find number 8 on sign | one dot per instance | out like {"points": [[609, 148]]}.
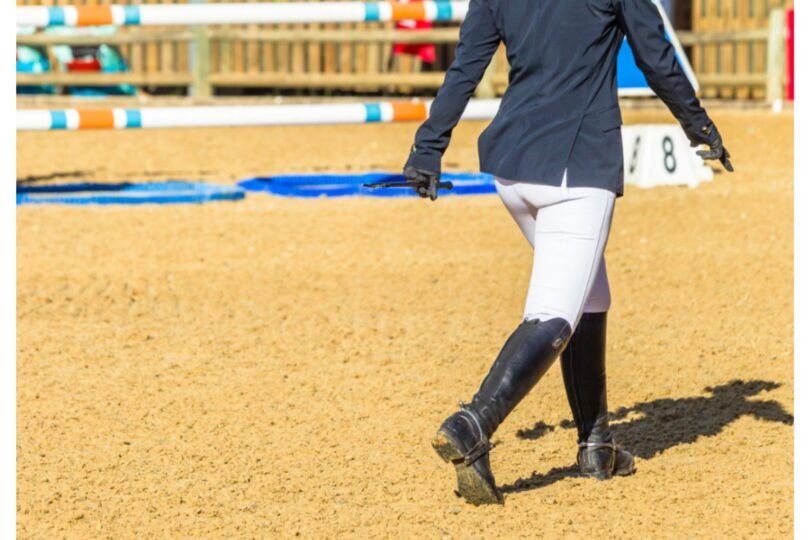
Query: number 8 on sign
{"points": [[670, 163], [660, 154]]}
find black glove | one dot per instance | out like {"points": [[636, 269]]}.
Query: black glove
{"points": [[427, 182], [709, 135]]}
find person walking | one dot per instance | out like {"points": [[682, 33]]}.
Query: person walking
{"points": [[555, 149]]}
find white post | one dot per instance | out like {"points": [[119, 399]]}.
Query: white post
{"points": [[776, 56], [199, 60]]}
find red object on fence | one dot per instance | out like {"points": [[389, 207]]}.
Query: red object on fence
{"points": [[425, 51], [84, 64], [789, 86]]}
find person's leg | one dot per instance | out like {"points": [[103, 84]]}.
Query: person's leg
{"points": [[570, 239], [585, 380], [463, 438]]}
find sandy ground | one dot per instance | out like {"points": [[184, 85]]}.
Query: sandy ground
{"points": [[277, 367]]}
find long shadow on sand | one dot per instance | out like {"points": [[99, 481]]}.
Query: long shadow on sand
{"points": [[652, 427]]}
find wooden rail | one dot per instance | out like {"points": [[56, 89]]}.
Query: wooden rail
{"points": [[771, 38], [448, 35], [435, 36], [119, 38], [105, 79], [703, 38]]}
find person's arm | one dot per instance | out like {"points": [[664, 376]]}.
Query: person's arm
{"points": [[655, 56], [478, 41]]}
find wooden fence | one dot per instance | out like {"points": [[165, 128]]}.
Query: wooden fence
{"points": [[743, 62], [357, 61], [340, 56], [730, 49]]}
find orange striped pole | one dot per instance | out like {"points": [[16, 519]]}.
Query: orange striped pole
{"points": [[407, 12], [93, 15], [409, 112], [96, 119]]}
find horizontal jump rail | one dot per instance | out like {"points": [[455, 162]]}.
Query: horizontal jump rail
{"points": [[242, 13], [247, 115]]}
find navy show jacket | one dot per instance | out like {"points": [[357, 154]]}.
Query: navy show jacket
{"points": [[561, 109]]}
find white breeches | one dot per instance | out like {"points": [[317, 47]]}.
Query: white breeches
{"points": [[568, 228]]}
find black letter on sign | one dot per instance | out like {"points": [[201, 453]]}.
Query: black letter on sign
{"points": [[634, 159]]}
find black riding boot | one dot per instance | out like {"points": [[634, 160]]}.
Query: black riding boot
{"points": [[583, 367], [464, 437]]}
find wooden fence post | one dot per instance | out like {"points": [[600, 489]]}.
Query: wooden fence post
{"points": [[776, 56], [200, 60], [201, 67]]}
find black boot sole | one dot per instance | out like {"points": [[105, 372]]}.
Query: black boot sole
{"points": [[607, 475], [599, 475], [471, 485]]}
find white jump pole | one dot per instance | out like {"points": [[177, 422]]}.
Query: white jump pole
{"points": [[248, 115], [259, 13]]}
